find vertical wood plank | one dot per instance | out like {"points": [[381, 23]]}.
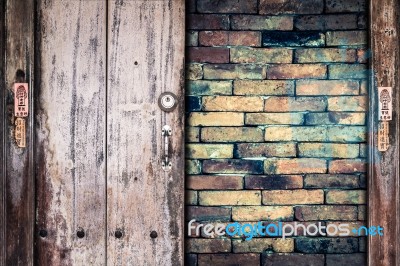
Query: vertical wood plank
{"points": [[70, 133], [146, 53], [18, 179], [384, 187]]}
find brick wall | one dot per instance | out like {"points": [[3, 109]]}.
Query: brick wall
{"points": [[276, 126]]}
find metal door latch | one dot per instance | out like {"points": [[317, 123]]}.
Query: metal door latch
{"points": [[166, 163]]}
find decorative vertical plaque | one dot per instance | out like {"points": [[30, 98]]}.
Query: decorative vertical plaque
{"points": [[20, 132], [383, 136], [21, 99], [385, 103]]}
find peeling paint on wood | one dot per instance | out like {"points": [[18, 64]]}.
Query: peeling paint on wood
{"points": [[384, 186]]}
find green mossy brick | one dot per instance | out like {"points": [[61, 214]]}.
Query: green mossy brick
{"points": [[335, 118], [348, 71], [346, 197], [194, 71], [347, 133], [263, 87], [192, 167], [328, 150], [325, 55], [261, 55], [276, 7], [208, 87]]}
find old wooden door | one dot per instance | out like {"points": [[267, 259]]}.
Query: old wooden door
{"points": [[102, 194]]}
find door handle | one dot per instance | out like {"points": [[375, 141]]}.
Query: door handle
{"points": [[166, 163]]}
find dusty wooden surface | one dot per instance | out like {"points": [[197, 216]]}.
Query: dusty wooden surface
{"points": [[141, 197], [3, 142], [17, 196], [70, 133], [384, 187]]}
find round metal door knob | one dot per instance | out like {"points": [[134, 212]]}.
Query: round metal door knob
{"points": [[167, 101]]}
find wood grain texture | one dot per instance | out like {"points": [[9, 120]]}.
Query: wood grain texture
{"points": [[141, 197], [18, 175], [384, 187], [3, 140], [70, 133]]}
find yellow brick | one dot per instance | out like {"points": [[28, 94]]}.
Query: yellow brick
{"points": [[217, 198], [259, 213], [288, 197], [209, 151], [233, 103], [216, 119]]}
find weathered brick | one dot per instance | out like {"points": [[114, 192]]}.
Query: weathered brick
{"points": [[234, 71], [292, 259], [335, 118], [328, 150], [363, 180], [294, 166], [336, 6], [192, 167], [233, 103], [217, 198], [364, 87], [263, 87], [192, 38], [190, 6], [326, 22], [208, 87], [362, 213], [291, 197], [339, 38], [362, 246], [325, 55], [243, 150], [190, 197], [208, 213], [232, 134], [331, 181], [362, 21], [229, 259], [207, 22], [205, 151], [327, 87], [295, 133], [214, 182], [363, 55], [295, 104], [216, 119], [348, 103], [192, 134], [347, 166], [274, 119], [191, 259], [274, 7], [213, 38], [347, 133], [227, 6], [354, 259], [260, 55], [318, 212], [258, 213], [293, 38], [346, 197], [192, 103], [251, 22], [232, 166], [260, 245], [194, 71], [274, 182], [297, 71], [348, 71], [201, 245], [208, 54], [327, 245], [244, 38], [363, 150]]}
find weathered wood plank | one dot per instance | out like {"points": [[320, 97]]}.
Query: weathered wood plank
{"points": [[384, 186], [146, 52], [70, 133], [18, 175]]}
